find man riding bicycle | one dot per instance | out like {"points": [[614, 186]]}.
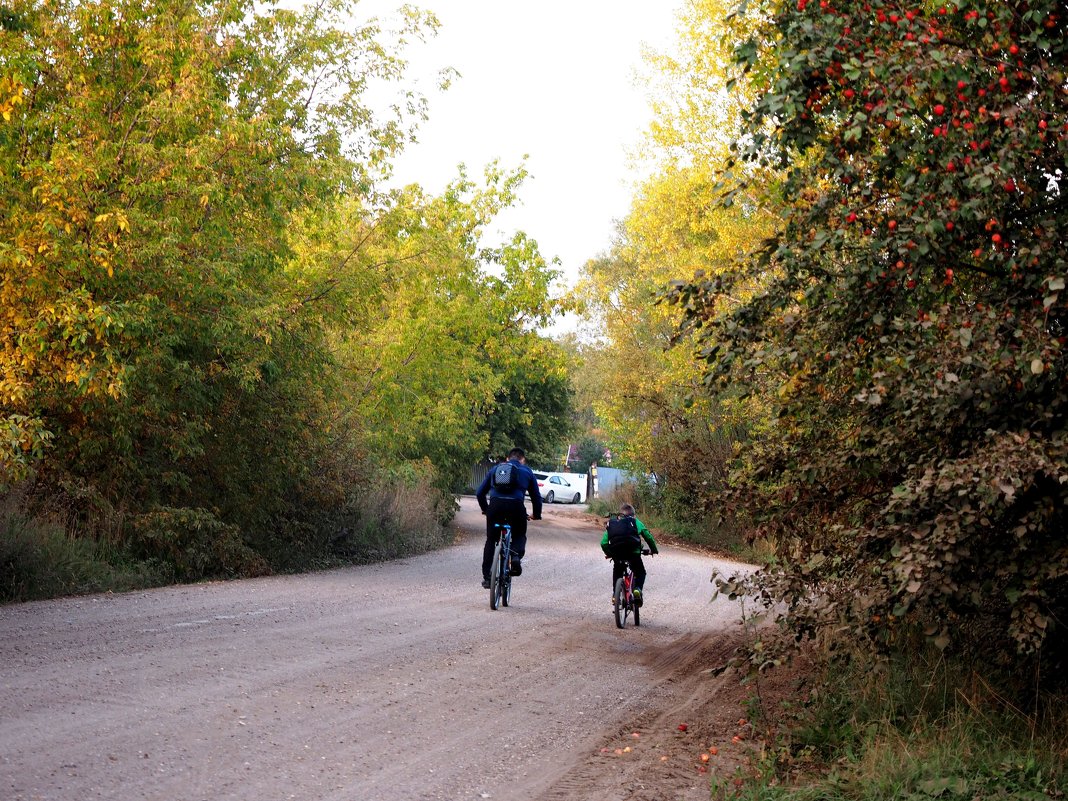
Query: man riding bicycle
{"points": [[506, 484], [622, 543]]}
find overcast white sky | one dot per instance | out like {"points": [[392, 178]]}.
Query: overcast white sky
{"points": [[552, 79]]}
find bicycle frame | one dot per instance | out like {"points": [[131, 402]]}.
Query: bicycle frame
{"points": [[623, 597], [623, 605], [501, 578]]}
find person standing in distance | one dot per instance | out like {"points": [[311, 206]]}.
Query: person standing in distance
{"points": [[506, 484]]}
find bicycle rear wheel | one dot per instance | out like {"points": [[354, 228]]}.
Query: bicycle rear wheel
{"points": [[619, 604], [496, 586], [636, 609]]}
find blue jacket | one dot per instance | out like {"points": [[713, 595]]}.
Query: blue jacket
{"points": [[525, 483]]}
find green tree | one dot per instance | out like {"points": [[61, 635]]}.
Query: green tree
{"points": [[914, 318], [221, 342], [436, 334], [590, 450], [653, 411], [152, 161], [649, 397]]}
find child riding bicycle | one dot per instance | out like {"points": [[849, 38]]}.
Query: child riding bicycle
{"points": [[622, 543]]}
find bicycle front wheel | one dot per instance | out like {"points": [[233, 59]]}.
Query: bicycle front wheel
{"points": [[496, 585], [619, 604]]}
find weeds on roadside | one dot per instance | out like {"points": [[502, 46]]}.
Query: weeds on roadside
{"points": [[919, 728], [38, 559], [56, 549], [396, 517], [713, 534]]}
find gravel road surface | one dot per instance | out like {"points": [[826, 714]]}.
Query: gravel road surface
{"points": [[381, 683]]}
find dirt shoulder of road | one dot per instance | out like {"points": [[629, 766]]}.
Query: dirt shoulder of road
{"points": [[695, 736], [692, 732]]}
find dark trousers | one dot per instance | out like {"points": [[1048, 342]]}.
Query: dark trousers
{"points": [[637, 567], [513, 512]]}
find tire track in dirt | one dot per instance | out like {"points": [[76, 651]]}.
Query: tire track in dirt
{"points": [[390, 682], [662, 763]]}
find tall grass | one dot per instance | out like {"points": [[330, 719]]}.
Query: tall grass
{"points": [[713, 532], [39, 559], [919, 728], [57, 549], [398, 515]]}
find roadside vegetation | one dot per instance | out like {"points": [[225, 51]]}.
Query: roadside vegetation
{"points": [[921, 726], [713, 536], [833, 325], [226, 348]]}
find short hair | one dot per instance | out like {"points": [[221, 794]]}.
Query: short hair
{"points": [[516, 453], [626, 509]]}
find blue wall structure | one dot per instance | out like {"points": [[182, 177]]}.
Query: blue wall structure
{"points": [[608, 478], [478, 472]]}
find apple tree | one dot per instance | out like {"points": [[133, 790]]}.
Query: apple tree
{"points": [[914, 314]]}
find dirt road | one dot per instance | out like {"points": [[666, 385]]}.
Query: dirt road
{"points": [[381, 683]]}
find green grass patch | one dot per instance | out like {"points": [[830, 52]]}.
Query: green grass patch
{"points": [[918, 729]]}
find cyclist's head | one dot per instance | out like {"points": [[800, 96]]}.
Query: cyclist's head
{"points": [[626, 510], [518, 454]]}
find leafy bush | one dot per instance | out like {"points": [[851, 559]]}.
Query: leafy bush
{"points": [[193, 544], [911, 313]]}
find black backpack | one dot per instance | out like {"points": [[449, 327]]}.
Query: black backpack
{"points": [[505, 477], [623, 534]]}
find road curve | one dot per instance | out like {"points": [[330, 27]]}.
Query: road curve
{"points": [[388, 682]]}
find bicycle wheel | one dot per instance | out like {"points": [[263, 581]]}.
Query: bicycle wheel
{"points": [[496, 588], [636, 609], [506, 569], [619, 604]]}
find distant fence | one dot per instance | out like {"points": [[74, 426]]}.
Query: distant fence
{"points": [[608, 478], [478, 472]]}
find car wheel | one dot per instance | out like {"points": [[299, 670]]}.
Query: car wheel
{"points": [[577, 498], [549, 497]]}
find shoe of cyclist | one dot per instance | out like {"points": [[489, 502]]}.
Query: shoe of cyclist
{"points": [[485, 584], [637, 597], [515, 569]]}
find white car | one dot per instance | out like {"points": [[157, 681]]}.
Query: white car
{"points": [[556, 487]]}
